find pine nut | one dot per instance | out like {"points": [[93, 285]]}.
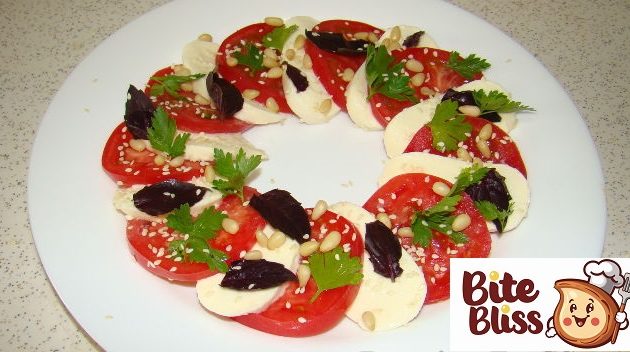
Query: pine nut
{"points": [[384, 218], [477, 161], [274, 21], [387, 43], [307, 63], [177, 161], [250, 94], [290, 54], [427, 91], [205, 37], [470, 110], [180, 70], [395, 34], [253, 255], [276, 240], [299, 41], [361, 35], [460, 222], [418, 79], [201, 100], [186, 86], [261, 238], [231, 61], [441, 188], [348, 74], [405, 232], [486, 132], [209, 174], [269, 62], [137, 145], [272, 105], [325, 106], [414, 65], [159, 160], [369, 320], [271, 53], [483, 148], [274, 72], [303, 274], [372, 37], [462, 154], [230, 226], [320, 208], [308, 248], [331, 241]]}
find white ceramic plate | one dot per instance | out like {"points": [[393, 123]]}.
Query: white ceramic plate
{"points": [[81, 241]]}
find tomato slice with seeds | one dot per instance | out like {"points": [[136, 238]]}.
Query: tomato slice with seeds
{"points": [[242, 76], [148, 241], [503, 150], [405, 194], [293, 314], [128, 166], [191, 116], [329, 67], [438, 78]]}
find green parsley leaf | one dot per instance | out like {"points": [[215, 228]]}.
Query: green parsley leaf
{"points": [[171, 84], [468, 66], [496, 101], [490, 211], [389, 81], [277, 37], [234, 171], [194, 247], [467, 177], [330, 272], [252, 57], [163, 134], [448, 127], [437, 218]]}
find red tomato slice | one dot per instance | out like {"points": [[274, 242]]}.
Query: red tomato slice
{"points": [[149, 241], [405, 194], [329, 67], [241, 76], [438, 78], [128, 166], [293, 314], [191, 116], [503, 150]]}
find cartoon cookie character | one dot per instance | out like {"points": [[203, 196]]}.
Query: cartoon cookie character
{"points": [[587, 316]]}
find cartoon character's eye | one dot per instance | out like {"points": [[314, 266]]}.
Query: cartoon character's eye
{"points": [[589, 308], [572, 308]]}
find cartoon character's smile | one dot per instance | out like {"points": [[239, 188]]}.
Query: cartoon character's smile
{"points": [[580, 321]]}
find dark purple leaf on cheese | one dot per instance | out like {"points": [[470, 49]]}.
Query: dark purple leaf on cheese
{"points": [[299, 80], [283, 212], [225, 95], [413, 40], [492, 188], [491, 116], [166, 196], [138, 113], [384, 249], [466, 98], [336, 43], [256, 274]]}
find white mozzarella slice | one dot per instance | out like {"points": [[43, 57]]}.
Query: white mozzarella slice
{"points": [[357, 102], [199, 56], [393, 304], [449, 168], [508, 119], [401, 129], [123, 201], [200, 146], [255, 113], [230, 302], [305, 104]]}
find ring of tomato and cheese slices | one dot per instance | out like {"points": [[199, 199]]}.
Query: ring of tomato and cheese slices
{"points": [[263, 259]]}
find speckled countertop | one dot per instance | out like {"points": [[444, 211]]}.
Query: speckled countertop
{"points": [[585, 45]]}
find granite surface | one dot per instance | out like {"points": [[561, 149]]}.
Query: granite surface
{"points": [[585, 45]]}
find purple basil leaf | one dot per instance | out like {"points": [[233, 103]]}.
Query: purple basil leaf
{"points": [[256, 274], [299, 80], [413, 40], [491, 188], [163, 197], [336, 43], [226, 96], [384, 249], [283, 212], [138, 112]]}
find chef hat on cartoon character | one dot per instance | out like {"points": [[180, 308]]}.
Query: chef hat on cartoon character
{"points": [[605, 274]]}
